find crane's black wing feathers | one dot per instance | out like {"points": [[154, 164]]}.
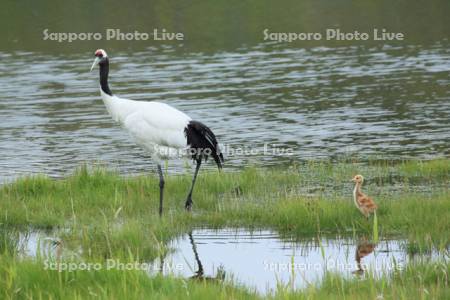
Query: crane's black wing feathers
{"points": [[202, 142]]}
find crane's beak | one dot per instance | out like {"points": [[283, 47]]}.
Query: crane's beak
{"points": [[96, 61]]}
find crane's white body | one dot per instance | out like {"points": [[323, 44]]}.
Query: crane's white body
{"points": [[159, 128], [155, 126]]}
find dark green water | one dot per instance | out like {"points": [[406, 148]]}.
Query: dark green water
{"points": [[214, 26], [321, 99]]}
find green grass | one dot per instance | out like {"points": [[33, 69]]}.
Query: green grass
{"points": [[417, 281], [109, 216], [26, 279], [297, 201]]}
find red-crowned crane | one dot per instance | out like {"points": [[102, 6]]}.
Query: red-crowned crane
{"points": [[160, 129]]}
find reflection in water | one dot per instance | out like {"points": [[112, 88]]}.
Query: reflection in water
{"points": [[320, 102], [363, 249], [38, 243], [257, 259], [263, 260], [200, 273]]}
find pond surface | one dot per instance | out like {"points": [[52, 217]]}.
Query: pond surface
{"points": [[259, 259], [314, 99], [389, 102], [262, 260]]}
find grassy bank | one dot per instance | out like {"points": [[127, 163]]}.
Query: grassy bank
{"points": [[109, 216]]}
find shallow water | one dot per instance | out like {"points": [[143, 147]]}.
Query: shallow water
{"points": [[45, 244], [259, 259], [320, 99], [262, 260]]}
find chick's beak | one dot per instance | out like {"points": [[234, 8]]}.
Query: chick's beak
{"points": [[96, 61]]}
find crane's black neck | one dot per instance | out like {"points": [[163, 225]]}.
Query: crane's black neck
{"points": [[104, 70]]}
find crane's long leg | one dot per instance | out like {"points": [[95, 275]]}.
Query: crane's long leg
{"points": [[161, 189], [188, 204]]}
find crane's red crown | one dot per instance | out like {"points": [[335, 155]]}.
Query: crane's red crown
{"points": [[100, 53]]}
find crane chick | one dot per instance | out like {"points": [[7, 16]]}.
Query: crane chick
{"points": [[364, 203]]}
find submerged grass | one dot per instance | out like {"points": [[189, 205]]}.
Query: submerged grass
{"points": [[109, 216]]}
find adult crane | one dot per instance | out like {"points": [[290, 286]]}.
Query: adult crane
{"points": [[160, 129]]}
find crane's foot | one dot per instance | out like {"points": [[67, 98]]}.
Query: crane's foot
{"points": [[188, 204]]}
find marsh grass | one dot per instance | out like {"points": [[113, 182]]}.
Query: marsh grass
{"points": [[418, 281], [375, 228], [110, 216], [315, 197], [26, 279]]}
